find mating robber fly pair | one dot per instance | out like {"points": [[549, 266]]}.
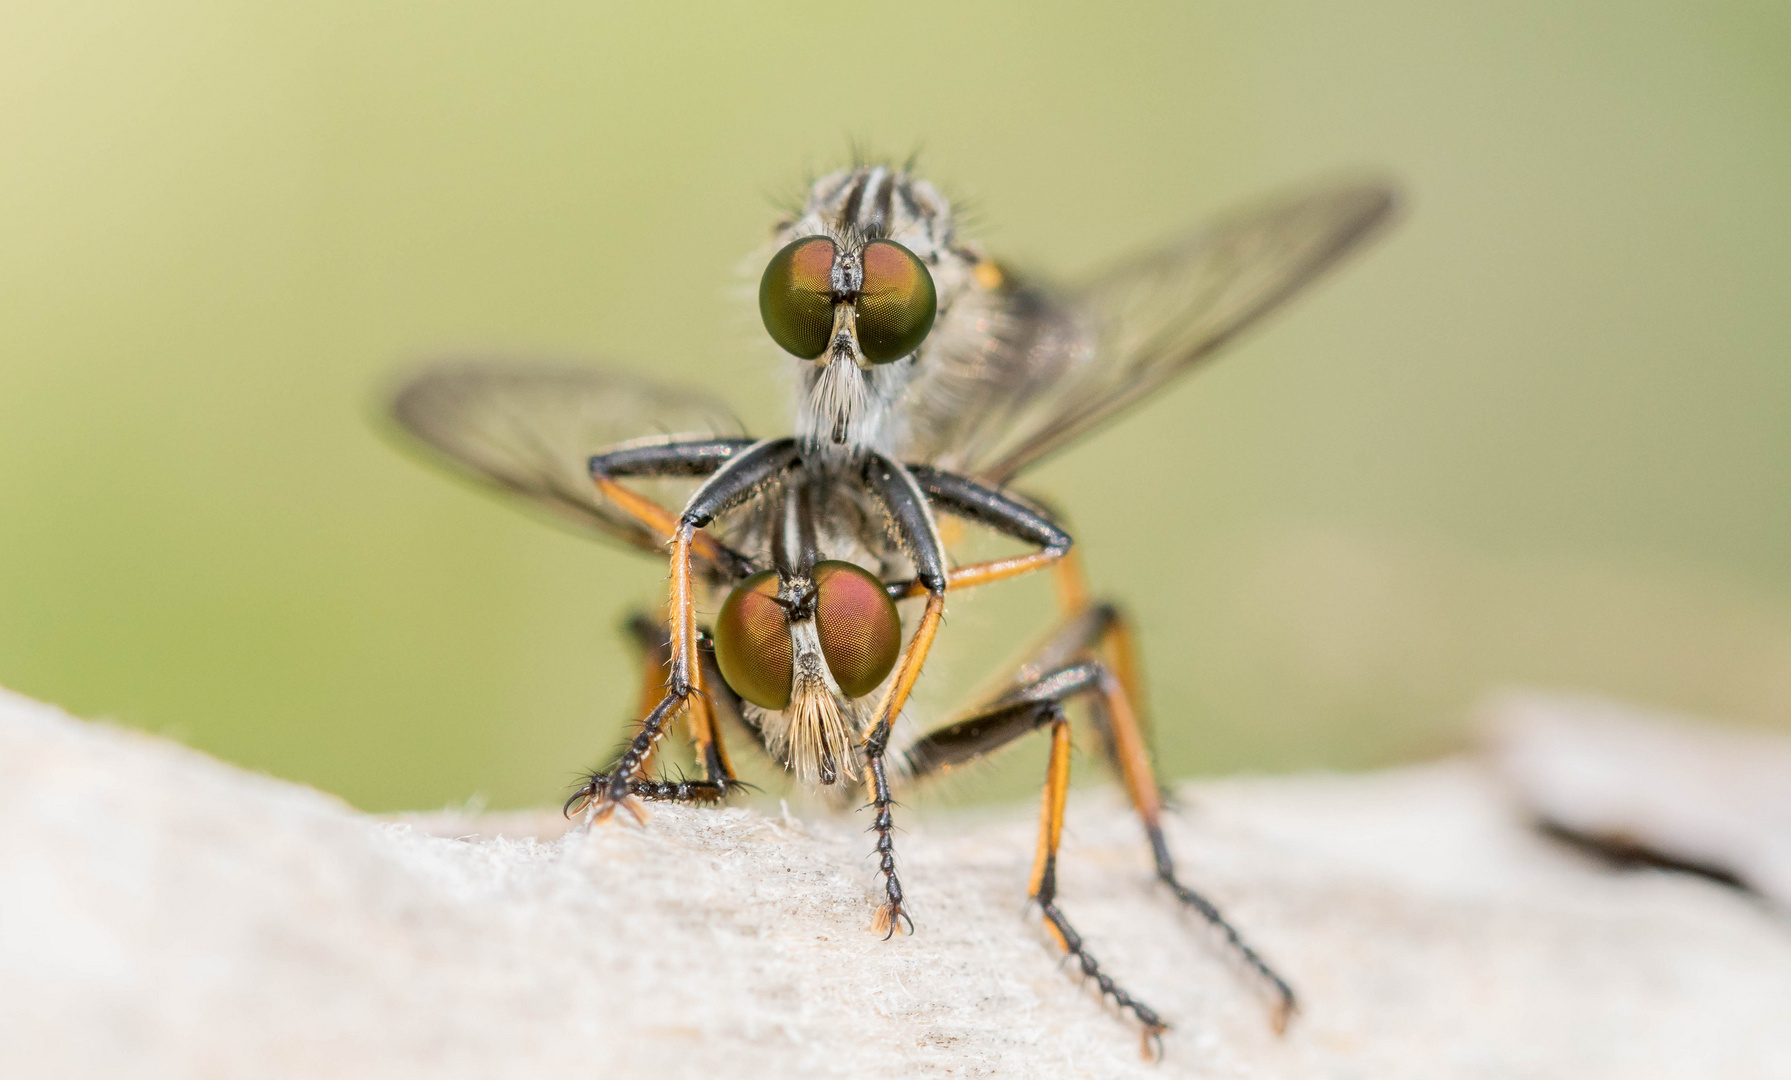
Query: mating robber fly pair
{"points": [[931, 377]]}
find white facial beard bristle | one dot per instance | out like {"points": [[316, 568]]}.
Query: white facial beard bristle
{"points": [[817, 739], [839, 396]]}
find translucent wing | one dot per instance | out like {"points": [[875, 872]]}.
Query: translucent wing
{"points": [[529, 429], [1059, 365]]}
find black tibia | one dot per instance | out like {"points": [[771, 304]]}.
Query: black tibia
{"points": [[974, 501]]}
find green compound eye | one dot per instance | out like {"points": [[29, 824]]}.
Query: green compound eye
{"points": [[897, 304], [796, 296], [861, 633], [752, 642]]}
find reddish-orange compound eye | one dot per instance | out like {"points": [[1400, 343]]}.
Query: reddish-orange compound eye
{"points": [[752, 642], [796, 296], [897, 305], [861, 634]]}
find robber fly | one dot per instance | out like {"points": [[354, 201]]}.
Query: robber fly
{"points": [[931, 377]]}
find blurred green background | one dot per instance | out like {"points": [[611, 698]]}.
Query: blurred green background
{"points": [[1541, 434]]}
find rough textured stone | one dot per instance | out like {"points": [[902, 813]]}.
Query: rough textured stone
{"points": [[166, 915]]}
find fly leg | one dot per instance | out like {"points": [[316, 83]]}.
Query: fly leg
{"points": [[702, 718], [734, 472], [1114, 642], [907, 494], [655, 644], [1102, 630], [1036, 705], [963, 497], [718, 698], [697, 457], [722, 704], [909, 517], [1044, 891]]}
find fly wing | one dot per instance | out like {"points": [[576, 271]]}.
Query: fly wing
{"points": [[529, 430], [1060, 365]]}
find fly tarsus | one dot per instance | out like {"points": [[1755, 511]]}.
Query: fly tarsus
{"points": [[891, 916], [602, 792], [1154, 1027], [596, 797], [1286, 1003], [596, 788]]}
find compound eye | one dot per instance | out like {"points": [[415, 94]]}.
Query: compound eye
{"points": [[861, 634], [796, 296], [752, 642], [896, 305]]}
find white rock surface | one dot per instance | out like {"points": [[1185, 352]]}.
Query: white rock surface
{"points": [[166, 915]]}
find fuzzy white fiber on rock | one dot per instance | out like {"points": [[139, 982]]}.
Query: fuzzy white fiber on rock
{"points": [[163, 914]]}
